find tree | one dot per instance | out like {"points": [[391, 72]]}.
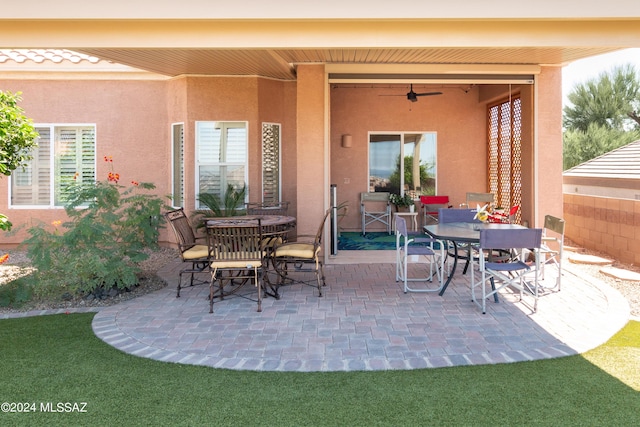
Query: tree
{"points": [[603, 116], [579, 146], [612, 101], [17, 139], [426, 182]]}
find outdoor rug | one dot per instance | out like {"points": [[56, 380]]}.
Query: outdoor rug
{"points": [[381, 241], [354, 241]]}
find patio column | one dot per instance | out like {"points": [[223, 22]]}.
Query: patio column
{"points": [[311, 158], [548, 109]]}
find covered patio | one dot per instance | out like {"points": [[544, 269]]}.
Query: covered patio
{"points": [[363, 322], [296, 81]]}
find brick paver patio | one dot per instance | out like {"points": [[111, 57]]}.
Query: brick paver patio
{"points": [[363, 322]]}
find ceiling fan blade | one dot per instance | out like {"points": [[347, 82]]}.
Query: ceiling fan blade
{"points": [[428, 93], [412, 96]]}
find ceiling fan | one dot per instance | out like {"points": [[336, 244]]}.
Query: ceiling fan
{"points": [[413, 96]]}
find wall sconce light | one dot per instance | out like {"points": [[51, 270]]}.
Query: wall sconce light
{"points": [[347, 140]]}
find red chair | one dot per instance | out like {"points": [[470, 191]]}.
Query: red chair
{"points": [[430, 206], [504, 218]]}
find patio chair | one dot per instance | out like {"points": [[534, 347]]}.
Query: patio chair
{"points": [[415, 246], [481, 199], [513, 212], [431, 206], [191, 252], [237, 257], [459, 215], [552, 247], [505, 218], [370, 215], [513, 272], [301, 256], [272, 208]]}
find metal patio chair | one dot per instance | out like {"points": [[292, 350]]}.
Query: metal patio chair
{"points": [[271, 208], [191, 252], [419, 246], [514, 272], [552, 247], [431, 206], [372, 214], [300, 256], [480, 199], [237, 257], [460, 215]]}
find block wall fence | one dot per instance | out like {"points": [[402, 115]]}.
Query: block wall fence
{"points": [[605, 224]]}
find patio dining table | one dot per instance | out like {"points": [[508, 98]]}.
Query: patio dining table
{"points": [[461, 232], [273, 229], [266, 221]]}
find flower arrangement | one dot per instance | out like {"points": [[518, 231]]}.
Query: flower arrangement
{"points": [[401, 201], [481, 213], [496, 215]]}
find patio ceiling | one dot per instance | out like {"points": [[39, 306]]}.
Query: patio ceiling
{"points": [[274, 48], [281, 64]]}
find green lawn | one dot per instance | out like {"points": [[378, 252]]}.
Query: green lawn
{"points": [[58, 359]]}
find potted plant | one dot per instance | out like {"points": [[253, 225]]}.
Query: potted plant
{"points": [[402, 201], [229, 205]]}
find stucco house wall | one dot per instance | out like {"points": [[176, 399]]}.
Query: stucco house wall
{"points": [[133, 125]]}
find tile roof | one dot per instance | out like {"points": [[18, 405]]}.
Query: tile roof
{"points": [[621, 163], [40, 56]]}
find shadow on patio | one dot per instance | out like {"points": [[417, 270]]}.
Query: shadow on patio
{"points": [[363, 322]]}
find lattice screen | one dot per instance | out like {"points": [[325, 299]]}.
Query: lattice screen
{"points": [[505, 153], [270, 163]]}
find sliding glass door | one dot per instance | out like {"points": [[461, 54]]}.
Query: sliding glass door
{"points": [[415, 174]]}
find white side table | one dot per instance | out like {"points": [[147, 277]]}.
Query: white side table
{"points": [[413, 215]]}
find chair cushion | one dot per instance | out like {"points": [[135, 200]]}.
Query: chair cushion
{"points": [[195, 252], [296, 250], [244, 263]]}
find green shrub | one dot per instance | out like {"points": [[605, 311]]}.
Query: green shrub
{"points": [[15, 293], [109, 230], [229, 205]]}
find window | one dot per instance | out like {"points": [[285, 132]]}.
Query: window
{"points": [[271, 163], [387, 173], [221, 156], [71, 155], [177, 165], [505, 153]]}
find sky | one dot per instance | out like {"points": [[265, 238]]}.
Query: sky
{"points": [[580, 71]]}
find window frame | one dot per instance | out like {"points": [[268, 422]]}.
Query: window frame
{"points": [[53, 182], [401, 135], [199, 163]]}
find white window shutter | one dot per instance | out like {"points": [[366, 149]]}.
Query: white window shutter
{"points": [[31, 186]]}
